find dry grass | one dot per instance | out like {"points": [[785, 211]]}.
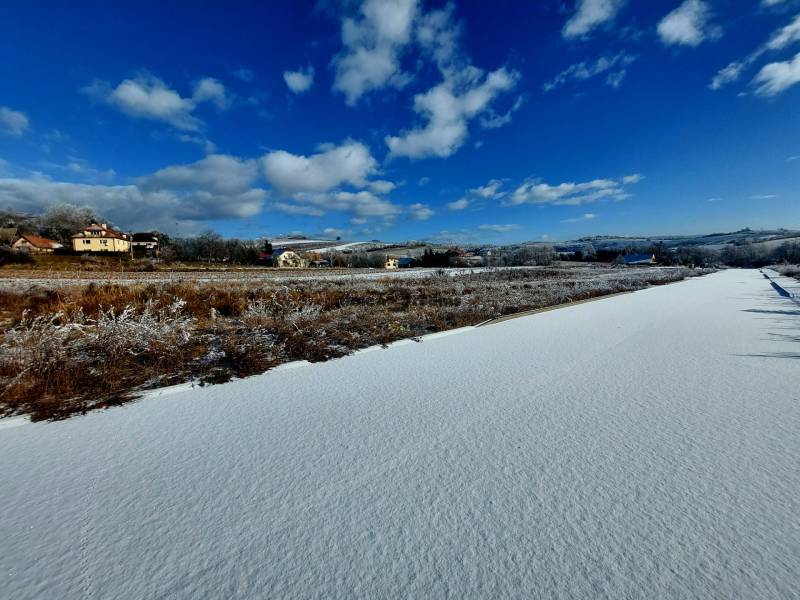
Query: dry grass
{"points": [[72, 349]]}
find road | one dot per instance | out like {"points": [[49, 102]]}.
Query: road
{"points": [[640, 446]]}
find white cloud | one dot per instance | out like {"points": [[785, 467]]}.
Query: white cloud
{"points": [[148, 97], [632, 179], [421, 212], [424, 181], [447, 108], [582, 218], [780, 39], [590, 14], [218, 186], [489, 191], [728, 74], [459, 204], [361, 204], [213, 188], [792, 158], [777, 77], [159, 202], [13, 122], [350, 163], [299, 81], [209, 89], [688, 25], [615, 66], [381, 186], [763, 196], [219, 173], [373, 44], [311, 185], [571, 194], [499, 228]]}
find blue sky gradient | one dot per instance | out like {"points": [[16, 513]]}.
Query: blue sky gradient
{"points": [[397, 119]]}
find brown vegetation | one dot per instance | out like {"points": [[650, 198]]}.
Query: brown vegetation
{"points": [[68, 350]]}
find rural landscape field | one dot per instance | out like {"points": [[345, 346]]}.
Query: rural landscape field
{"points": [[400, 299]]}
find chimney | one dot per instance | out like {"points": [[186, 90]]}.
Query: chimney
{"points": [[103, 225]]}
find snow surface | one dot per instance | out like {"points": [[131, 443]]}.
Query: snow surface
{"points": [[641, 446]]}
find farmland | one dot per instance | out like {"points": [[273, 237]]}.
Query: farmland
{"points": [[69, 346]]}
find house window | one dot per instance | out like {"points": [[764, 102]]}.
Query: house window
{"points": [[87, 242], [104, 242]]}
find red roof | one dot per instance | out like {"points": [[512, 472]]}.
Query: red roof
{"points": [[104, 232], [40, 242]]}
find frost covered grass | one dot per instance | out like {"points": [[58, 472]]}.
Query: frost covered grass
{"points": [[787, 270], [69, 350]]}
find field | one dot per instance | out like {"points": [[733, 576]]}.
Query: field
{"points": [[69, 347], [639, 446]]}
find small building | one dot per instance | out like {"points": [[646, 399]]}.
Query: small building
{"points": [[639, 259], [100, 238], [144, 244], [286, 258], [35, 244], [398, 262], [319, 263]]}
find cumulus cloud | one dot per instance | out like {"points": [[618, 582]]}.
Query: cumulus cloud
{"points": [[614, 67], [350, 163], [209, 89], [13, 122], [571, 194], [777, 77], [216, 187], [313, 185], [688, 25], [590, 14], [447, 109], [583, 217], [362, 204], [148, 97], [421, 212], [373, 45], [780, 39], [499, 228], [299, 81]]}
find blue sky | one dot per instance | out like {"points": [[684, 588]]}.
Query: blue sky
{"points": [[403, 119]]}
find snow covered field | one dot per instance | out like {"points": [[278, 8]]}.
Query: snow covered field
{"points": [[640, 446]]}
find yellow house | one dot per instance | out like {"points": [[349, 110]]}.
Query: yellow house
{"points": [[398, 262], [36, 244], [100, 238]]}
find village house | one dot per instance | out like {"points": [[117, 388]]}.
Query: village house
{"points": [[35, 244], [144, 244], [100, 238], [398, 262], [286, 258]]}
